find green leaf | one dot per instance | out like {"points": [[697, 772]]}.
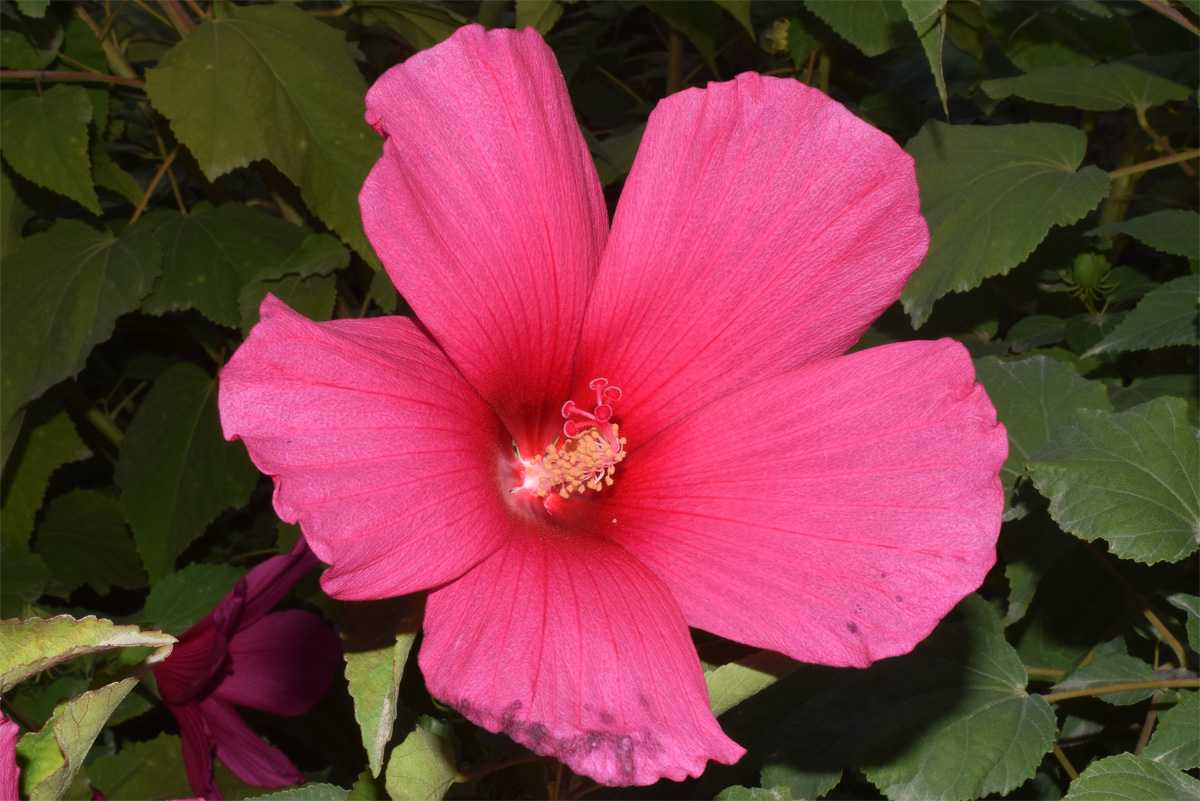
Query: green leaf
{"points": [[538, 14], [421, 768], [46, 140], [950, 720], [1110, 664], [994, 735], [378, 636], [152, 769], [1127, 477], [1134, 83], [966, 27], [31, 646], [614, 155], [47, 441], [14, 213], [873, 26], [990, 195], [307, 287], [928, 20], [696, 20], [210, 253], [62, 293], [383, 292], [1141, 390], [271, 82], [1126, 777], [1033, 397], [754, 794], [309, 792], [367, 788], [739, 10], [107, 174], [83, 539], [55, 754], [181, 598], [23, 579], [33, 8], [730, 684], [1165, 316], [312, 297], [1037, 35], [1191, 605], [28, 44], [1078, 604], [1029, 546], [420, 24], [1085, 331], [1034, 331], [1176, 740], [1171, 231], [175, 470]]}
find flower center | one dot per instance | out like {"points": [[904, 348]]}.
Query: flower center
{"points": [[587, 458]]}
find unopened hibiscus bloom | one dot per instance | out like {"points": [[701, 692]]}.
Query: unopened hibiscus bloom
{"points": [[594, 439], [242, 654]]}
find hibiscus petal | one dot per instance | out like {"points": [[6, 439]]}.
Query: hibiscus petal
{"points": [[763, 226], [281, 664], [245, 753], [834, 513], [378, 447], [487, 212], [194, 664], [10, 774], [270, 580], [571, 647], [198, 746]]}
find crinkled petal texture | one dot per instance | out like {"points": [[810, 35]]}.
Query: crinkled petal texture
{"points": [[834, 513], [569, 645], [763, 226], [487, 213], [376, 443]]}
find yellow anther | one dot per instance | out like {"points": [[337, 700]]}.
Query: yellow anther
{"points": [[576, 465]]}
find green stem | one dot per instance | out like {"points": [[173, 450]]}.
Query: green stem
{"points": [[86, 409], [674, 62], [637, 98], [1146, 166], [1066, 763], [1162, 143], [166, 165], [112, 54], [1044, 673], [61, 75], [1122, 687]]}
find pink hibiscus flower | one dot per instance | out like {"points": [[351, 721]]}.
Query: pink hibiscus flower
{"points": [[594, 439], [239, 655], [10, 774]]}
